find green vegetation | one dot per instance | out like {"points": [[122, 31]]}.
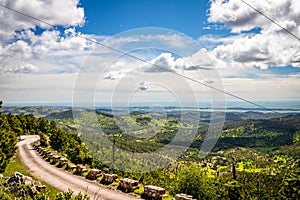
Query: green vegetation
{"points": [[50, 192], [253, 158], [25, 192], [12, 126], [69, 196], [15, 165], [69, 144], [8, 140]]}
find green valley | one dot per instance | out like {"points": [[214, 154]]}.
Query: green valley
{"points": [[252, 159]]}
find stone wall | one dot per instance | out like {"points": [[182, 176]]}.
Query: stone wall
{"points": [[109, 178], [183, 197], [128, 185], [125, 184], [153, 192], [93, 174]]}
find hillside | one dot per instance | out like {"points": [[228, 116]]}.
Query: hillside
{"points": [[36, 111], [250, 154]]}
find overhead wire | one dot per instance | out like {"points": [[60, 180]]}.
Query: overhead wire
{"points": [[164, 67], [271, 20]]}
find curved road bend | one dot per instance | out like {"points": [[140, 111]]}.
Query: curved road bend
{"points": [[61, 179]]}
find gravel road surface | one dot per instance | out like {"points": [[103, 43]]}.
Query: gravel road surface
{"points": [[61, 179]]}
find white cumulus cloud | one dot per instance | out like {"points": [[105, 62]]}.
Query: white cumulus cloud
{"points": [[26, 68], [20, 43], [167, 62], [56, 12], [271, 46], [164, 62]]}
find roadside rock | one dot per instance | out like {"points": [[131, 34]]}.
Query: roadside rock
{"points": [[183, 197], [153, 192], [17, 179], [93, 174], [109, 178]]}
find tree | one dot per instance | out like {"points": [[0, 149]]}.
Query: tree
{"points": [[234, 190], [69, 196], [1, 102], [193, 181], [8, 141]]}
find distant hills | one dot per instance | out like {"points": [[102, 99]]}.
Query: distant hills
{"points": [[60, 115], [231, 114], [36, 111], [238, 116]]}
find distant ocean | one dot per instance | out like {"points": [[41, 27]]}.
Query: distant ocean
{"points": [[231, 106], [279, 106]]}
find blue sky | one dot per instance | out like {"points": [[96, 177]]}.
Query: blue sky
{"points": [[106, 17], [254, 58]]}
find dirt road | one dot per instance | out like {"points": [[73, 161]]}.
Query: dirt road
{"points": [[61, 179]]}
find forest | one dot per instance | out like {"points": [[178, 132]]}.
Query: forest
{"points": [[253, 158]]}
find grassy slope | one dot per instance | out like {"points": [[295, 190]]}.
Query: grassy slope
{"points": [[16, 165]]}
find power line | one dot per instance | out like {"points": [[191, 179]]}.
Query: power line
{"points": [[145, 61], [271, 20], [24, 14]]}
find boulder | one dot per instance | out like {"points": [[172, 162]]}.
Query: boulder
{"points": [[183, 197], [17, 178], [153, 192], [109, 178], [40, 188], [128, 185], [80, 168], [46, 154], [28, 180], [15, 181], [93, 174], [55, 159], [40, 149], [63, 161], [35, 146], [71, 166]]}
